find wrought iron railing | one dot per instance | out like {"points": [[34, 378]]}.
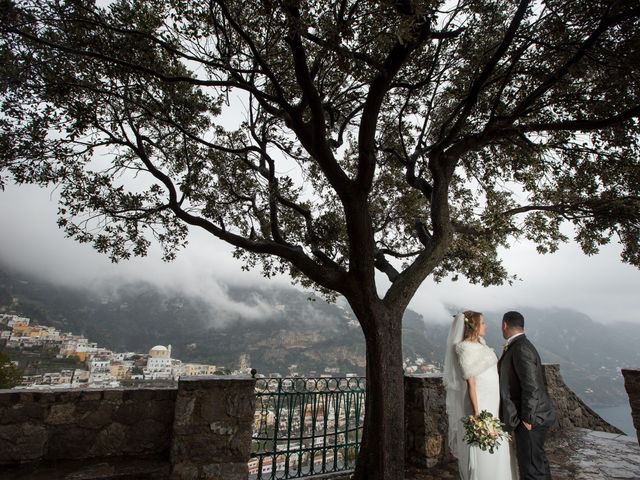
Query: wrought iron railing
{"points": [[306, 426]]}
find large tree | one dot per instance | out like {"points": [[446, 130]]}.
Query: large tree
{"points": [[333, 138]]}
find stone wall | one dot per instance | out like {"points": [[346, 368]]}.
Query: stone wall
{"points": [[212, 438], [201, 430], [59, 425], [427, 424], [572, 411], [632, 386]]}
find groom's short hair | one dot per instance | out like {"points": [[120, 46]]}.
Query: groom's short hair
{"points": [[514, 320]]}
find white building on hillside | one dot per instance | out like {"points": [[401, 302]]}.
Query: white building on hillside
{"points": [[196, 369], [13, 320], [99, 370], [159, 363]]}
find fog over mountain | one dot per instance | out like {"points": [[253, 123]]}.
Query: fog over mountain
{"points": [[280, 326], [599, 285]]}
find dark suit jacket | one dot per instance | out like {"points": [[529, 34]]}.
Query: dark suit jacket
{"points": [[523, 393]]}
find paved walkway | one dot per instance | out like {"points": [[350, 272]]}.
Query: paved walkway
{"points": [[577, 454], [582, 454]]}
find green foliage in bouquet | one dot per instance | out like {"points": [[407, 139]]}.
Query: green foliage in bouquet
{"points": [[485, 431]]}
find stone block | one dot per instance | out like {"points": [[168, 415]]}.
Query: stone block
{"points": [[239, 404], [61, 396], [426, 422], [148, 436], [211, 411], [84, 406], [160, 409], [184, 412], [91, 395], [433, 447], [110, 441], [129, 412], [22, 442], [69, 441], [61, 414], [114, 396], [17, 413], [24, 397], [8, 398], [212, 428], [224, 471], [184, 471], [98, 417]]}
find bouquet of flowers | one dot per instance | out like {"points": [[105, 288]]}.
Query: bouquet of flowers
{"points": [[485, 431]]}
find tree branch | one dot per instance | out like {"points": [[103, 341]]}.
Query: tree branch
{"points": [[580, 125], [380, 85], [382, 264], [479, 83], [333, 278], [559, 74]]}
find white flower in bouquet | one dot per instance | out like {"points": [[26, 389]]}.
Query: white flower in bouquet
{"points": [[485, 431]]}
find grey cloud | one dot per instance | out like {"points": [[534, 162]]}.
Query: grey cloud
{"points": [[599, 286]]}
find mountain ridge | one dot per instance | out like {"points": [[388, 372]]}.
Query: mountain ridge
{"points": [[310, 334]]}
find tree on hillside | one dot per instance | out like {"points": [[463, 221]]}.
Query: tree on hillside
{"points": [[329, 139], [10, 374]]}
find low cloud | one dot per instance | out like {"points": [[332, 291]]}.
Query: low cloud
{"points": [[599, 286]]}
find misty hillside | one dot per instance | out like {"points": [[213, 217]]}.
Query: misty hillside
{"points": [[278, 327], [137, 316]]}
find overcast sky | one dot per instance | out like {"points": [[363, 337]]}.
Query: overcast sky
{"points": [[599, 286]]}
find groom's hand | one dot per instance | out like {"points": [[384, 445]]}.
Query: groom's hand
{"points": [[527, 425]]}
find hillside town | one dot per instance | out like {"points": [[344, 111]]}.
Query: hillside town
{"points": [[102, 367]]}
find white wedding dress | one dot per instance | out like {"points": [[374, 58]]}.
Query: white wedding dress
{"points": [[473, 359]]}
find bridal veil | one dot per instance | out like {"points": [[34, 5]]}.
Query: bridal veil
{"points": [[456, 388]]}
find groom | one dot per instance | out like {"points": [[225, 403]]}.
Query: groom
{"points": [[525, 407]]}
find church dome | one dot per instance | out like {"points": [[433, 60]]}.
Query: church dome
{"points": [[159, 351]]}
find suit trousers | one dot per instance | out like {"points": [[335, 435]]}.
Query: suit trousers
{"points": [[532, 460]]}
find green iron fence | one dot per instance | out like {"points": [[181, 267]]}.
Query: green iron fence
{"points": [[306, 426]]}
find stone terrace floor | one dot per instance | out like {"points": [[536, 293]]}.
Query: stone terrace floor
{"points": [[589, 455], [577, 454]]}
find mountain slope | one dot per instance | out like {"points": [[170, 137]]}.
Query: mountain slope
{"points": [[310, 334]]}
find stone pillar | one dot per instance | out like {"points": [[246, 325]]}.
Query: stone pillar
{"points": [[212, 428], [632, 386], [426, 423]]}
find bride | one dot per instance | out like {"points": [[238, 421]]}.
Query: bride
{"points": [[472, 385]]}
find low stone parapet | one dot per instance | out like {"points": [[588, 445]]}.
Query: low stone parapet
{"points": [[48, 426], [426, 421], [200, 430], [212, 428], [632, 386]]}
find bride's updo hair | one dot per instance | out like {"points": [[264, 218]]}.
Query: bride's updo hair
{"points": [[472, 324]]}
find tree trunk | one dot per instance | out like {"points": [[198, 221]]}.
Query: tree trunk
{"points": [[382, 449]]}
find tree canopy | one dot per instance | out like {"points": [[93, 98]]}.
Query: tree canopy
{"points": [[330, 138], [527, 109]]}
